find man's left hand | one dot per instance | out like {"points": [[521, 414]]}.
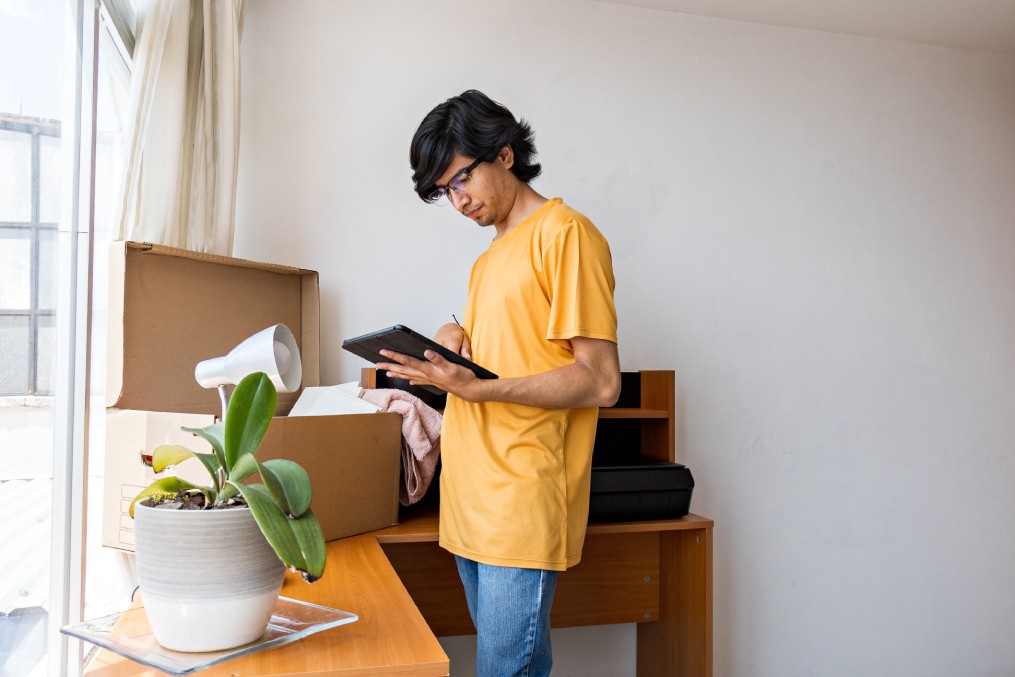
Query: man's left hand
{"points": [[433, 371]]}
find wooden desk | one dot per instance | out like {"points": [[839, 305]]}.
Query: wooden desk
{"points": [[406, 591], [657, 574]]}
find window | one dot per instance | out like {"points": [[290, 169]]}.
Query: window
{"points": [[29, 212]]}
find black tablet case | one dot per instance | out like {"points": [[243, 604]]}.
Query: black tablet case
{"points": [[401, 339], [645, 489]]}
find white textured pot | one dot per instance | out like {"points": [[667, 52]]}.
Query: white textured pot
{"points": [[209, 579]]}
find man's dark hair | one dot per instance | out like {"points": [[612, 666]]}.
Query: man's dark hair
{"points": [[472, 125]]}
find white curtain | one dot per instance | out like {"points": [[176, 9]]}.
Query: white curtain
{"points": [[180, 185]]}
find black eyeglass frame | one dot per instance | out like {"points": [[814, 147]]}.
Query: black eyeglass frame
{"points": [[440, 191]]}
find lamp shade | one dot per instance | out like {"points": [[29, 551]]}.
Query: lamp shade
{"points": [[272, 350]]}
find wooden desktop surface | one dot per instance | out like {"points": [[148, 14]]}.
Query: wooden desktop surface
{"points": [[406, 591]]}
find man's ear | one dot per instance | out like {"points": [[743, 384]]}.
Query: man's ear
{"points": [[506, 157]]}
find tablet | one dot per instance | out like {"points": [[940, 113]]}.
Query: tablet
{"points": [[401, 339]]}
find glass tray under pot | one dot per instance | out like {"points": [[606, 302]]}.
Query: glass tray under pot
{"points": [[129, 634]]}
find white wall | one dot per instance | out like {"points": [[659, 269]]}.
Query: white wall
{"points": [[815, 231]]}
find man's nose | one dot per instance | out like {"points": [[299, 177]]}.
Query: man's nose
{"points": [[458, 200]]}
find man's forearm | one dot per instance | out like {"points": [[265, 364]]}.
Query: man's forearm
{"points": [[569, 387], [592, 381]]}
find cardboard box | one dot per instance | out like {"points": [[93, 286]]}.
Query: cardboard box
{"points": [[355, 465], [169, 309], [130, 436]]}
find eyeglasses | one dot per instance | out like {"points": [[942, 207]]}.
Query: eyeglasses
{"points": [[457, 182]]}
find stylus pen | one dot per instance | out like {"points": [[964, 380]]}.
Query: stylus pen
{"points": [[456, 320]]}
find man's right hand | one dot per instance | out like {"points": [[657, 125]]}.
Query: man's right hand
{"points": [[452, 336]]}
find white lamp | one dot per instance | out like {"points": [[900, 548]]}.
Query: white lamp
{"points": [[272, 350]]}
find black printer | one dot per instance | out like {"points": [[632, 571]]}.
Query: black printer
{"points": [[642, 489]]}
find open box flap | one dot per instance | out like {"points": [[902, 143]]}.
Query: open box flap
{"points": [[171, 308]]}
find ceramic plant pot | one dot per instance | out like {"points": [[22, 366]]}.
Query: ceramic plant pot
{"points": [[209, 580]]}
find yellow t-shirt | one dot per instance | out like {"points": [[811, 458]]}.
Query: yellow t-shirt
{"points": [[515, 479]]}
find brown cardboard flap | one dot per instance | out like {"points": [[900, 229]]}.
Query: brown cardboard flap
{"points": [[171, 308]]}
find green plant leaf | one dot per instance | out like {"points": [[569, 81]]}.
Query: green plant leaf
{"points": [[211, 464], [288, 483], [274, 524], [246, 466], [168, 455], [311, 539], [248, 416], [215, 434], [167, 487]]}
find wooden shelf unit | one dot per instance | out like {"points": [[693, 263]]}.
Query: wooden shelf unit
{"points": [[642, 423]]}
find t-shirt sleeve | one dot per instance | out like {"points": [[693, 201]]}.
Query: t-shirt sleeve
{"points": [[578, 270]]}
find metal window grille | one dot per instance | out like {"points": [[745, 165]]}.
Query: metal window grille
{"points": [[25, 366]]}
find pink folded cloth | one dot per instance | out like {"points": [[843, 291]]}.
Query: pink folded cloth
{"points": [[421, 438]]}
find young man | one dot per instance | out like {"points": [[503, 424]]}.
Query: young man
{"points": [[516, 450]]}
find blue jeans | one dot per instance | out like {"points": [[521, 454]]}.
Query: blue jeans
{"points": [[511, 611]]}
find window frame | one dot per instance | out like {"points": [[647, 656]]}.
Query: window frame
{"points": [[89, 24]]}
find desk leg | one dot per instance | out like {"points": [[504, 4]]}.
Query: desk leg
{"points": [[679, 644]]}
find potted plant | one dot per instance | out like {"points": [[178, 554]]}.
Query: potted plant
{"points": [[211, 559]]}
